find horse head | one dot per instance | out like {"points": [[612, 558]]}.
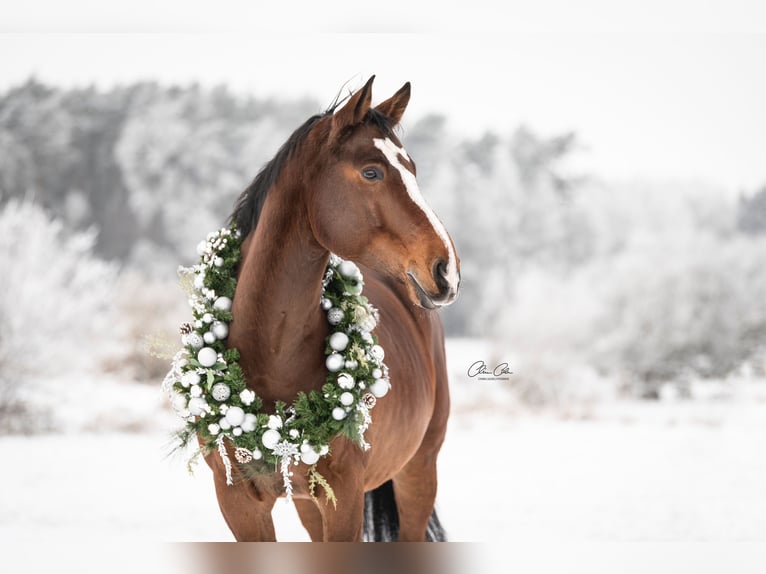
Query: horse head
{"points": [[365, 204]]}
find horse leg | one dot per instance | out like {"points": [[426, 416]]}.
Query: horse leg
{"points": [[345, 473], [245, 507], [311, 518], [415, 492], [415, 484], [344, 524]]}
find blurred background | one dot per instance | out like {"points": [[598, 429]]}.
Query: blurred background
{"points": [[607, 196]]}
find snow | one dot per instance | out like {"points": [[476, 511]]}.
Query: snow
{"points": [[686, 472]]}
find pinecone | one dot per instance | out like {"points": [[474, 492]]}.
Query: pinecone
{"points": [[242, 455], [369, 400], [185, 328]]}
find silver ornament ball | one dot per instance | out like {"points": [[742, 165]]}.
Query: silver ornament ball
{"points": [[209, 338], [193, 340], [220, 391], [335, 316]]}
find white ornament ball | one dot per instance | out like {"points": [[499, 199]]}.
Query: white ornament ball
{"points": [[190, 378], [222, 304], [201, 247], [247, 397], [348, 269], [339, 413], [351, 365], [207, 357], [354, 288], [335, 316], [380, 387], [220, 329], [236, 431], [195, 391], [305, 447], [248, 425], [346, 399], [324, 450], [334, 362], [270, 439], [179, 402], [345, 381], [326, 304], [310, 457], [257, 454], [209, 338], [197, 406], [198, 324], [224, 423], [294, 433], [214, 429], [338, 341], [235, 415], [377, 373], [218, 261], [220, 391], [275, 422], [377, 352], [193, 340], [207, 318]]}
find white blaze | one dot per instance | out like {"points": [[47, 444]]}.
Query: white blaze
{"points": [[392, 153]]}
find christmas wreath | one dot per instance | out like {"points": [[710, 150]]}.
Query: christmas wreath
{"points": [[208, 390]]}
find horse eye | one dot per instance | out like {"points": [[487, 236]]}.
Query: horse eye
{"points": [[372, 173]]}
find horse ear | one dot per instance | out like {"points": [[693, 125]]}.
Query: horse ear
{"points": [[394, 106], [355, 109]]}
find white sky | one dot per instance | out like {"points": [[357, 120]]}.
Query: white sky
{"points": [[678, 96]]}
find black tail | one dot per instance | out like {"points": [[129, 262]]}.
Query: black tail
{"points": [[381, 519]]}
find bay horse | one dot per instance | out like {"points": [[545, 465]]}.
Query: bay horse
{"points": [[342, 183]]}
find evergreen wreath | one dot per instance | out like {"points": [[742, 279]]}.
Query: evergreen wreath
{"points": [[207, 386]]}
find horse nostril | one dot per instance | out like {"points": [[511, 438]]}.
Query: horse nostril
{"points": [[440, 275], [441, 267]]}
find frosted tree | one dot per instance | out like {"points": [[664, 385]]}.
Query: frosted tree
{"points": [[56, 306]]}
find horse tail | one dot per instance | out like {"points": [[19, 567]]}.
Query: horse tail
{"points": [[381, 518]]}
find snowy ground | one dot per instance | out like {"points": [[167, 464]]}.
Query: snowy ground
{"points": [[619, 472]]}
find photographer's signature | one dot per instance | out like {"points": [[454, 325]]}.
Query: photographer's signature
{"points": [[480, 370]]}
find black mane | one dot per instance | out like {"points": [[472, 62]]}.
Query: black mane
{"points": [[247, 210]]}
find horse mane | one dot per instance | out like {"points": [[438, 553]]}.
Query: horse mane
{"points": [[247, 210]]}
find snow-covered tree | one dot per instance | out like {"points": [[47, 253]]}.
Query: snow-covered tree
{"points": [[55, 309]]}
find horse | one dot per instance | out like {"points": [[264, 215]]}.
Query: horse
{"points": [[342, 183]]}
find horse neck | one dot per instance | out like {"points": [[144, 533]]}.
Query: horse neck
{"points": [[278, 326]]}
